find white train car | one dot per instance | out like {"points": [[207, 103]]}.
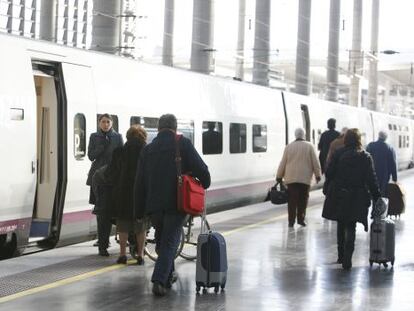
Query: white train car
{"points": [[50, 97]]}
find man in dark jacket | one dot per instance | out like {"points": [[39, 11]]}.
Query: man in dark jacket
{"points": [[325, 142], [155, 194], [384, 161]]}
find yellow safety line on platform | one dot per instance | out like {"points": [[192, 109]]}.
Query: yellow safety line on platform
{"points": [[86, 275]]}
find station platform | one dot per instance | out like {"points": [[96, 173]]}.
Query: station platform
{"points": [[271, 267]]}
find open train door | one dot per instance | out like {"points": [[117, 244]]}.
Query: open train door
{"points": [[81, 122], [17, 149]]}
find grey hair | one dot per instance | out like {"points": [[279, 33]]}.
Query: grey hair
{"points": [[300, 133], [167, 121], [382, 135]]}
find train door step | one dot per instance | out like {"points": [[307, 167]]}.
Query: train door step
{"points": [[40, 228]]}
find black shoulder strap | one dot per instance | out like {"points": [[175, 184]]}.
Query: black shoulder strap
{"points": [[178, 156]]}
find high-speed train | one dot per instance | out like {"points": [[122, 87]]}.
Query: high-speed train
{"points": [[50, 97]]}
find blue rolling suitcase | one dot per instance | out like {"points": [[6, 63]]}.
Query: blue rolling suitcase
{"points": [[211, 268]]}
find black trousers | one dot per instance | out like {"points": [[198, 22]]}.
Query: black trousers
{"points": [[298, 195], [104, 231], [346, 240]]}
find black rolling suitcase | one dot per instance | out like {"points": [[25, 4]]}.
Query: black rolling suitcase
{"points": [[396, 197], [211, 270], [382, 235], [382, 244]]}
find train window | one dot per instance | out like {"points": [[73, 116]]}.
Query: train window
{"points": [[404, 143], [115, 124], [408, 141], [186, 128], [399, 127], [134, 121], [237, 138], [79, 136], [17, 114], [389, 126], [212, 137], [395, 127], [151, 126], [259, 138], [399, 141]]}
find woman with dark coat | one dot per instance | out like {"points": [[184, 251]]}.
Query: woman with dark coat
{"points": [[101, 146], [352, 184], [123, 193]]}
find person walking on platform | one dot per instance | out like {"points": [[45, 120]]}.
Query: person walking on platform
{"points": [[351, 185], [325, 142], [103, 181], [299, 163], [336, 144], [384, 161], [123, 192], [155, 194], [101, 145]]}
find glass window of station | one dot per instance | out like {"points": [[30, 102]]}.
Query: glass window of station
{"points": [[212, 137]]}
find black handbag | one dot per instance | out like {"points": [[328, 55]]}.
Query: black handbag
{"points": [[279, 194]]}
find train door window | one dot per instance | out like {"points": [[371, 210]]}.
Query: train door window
{"points": [[134, 121], [79, 136], [212, 137], [237, 138], [16, 114], [151, 126], [313, 136], [186, 128], [115, 124], [306, 121], [259, 133]]}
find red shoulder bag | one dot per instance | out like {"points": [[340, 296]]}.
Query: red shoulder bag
{"points": [[190, 192]]}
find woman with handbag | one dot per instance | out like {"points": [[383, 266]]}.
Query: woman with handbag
{"points": [[123, 193], [352, 184]]}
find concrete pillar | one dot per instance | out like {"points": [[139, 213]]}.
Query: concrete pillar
{"points": [[261, 43], [167, 47], [356, 61], [106, 26], [240, 41], [333, 50], [203, 36], [303, 47], [47, 21], [373, 61]]}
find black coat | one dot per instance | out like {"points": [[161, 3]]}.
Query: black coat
{"points": [[156, 180], [103, 185], [324, 143], [351, 186], [100, 148], [123, 191]]}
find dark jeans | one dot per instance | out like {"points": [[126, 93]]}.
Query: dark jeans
{"points": [[104, 231], [167, 237], [298, 195], [345, 234]]}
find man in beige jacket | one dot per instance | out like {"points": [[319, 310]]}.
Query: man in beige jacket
{"points": [[299, 163]]}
